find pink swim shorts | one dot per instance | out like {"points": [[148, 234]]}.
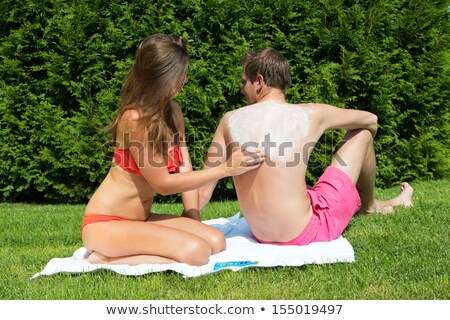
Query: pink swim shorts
{"points": [[334, 201]]}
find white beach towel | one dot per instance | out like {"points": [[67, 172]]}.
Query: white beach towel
{"points": [[242, 251]]}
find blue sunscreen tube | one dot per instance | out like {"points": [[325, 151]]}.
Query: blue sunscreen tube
{"points": [[238, 264]]}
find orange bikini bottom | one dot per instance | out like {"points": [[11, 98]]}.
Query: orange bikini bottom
{"points": [[93, 218]]}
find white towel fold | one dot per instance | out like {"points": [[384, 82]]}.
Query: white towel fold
{"points": [[242, 251]]}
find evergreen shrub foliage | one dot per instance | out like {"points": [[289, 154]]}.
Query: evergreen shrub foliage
{"points": [[62, 63]]}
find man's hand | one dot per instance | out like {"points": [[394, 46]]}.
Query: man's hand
{"points": [[192, 214]]}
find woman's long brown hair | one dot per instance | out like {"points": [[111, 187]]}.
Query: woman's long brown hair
{"points": [[159, 67]]}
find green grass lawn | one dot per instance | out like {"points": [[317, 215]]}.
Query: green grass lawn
{"points": [[399, 256]]}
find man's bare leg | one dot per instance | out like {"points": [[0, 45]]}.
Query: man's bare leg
{"points": [[356, 157]]}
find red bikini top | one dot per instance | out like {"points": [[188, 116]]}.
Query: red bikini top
{"points": [[175, 159], [124, 160]]}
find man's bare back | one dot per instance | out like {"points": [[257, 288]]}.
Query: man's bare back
{"points": [[276, 208], [274, 199]]}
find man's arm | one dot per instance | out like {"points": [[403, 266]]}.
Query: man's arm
{"points": [[188, 198], [338, 118], [217, 154], [190, 204]]}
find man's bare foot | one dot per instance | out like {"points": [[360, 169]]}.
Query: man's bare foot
{"points": [[387, 206], [380, 206], [97, 258], [405, 197]]}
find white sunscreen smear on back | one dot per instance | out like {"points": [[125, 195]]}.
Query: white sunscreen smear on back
{"points": [[276, 127]]}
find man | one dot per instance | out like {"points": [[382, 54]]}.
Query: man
{"points": [[274, 199]]}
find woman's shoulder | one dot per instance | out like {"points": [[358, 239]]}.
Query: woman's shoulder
{"points": [[129, 120], [177, 113], [131, 114], [176, 109]]}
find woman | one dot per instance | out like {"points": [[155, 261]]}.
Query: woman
{"points": [[118, 227]]}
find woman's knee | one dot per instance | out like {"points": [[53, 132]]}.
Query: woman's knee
{"points": [[195, 252], [217, 241]]}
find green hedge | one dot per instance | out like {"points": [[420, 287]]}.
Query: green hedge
{"points": [[62, 63]]}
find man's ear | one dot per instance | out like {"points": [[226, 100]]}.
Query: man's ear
{"points": [[261, 83], [260, 79]]}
